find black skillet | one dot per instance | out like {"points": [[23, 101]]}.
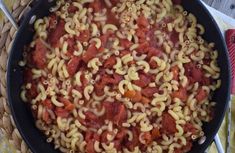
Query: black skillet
{"points": [[23, 117]]}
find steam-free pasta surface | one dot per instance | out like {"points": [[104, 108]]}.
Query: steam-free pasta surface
{"points": [[120, 76]]}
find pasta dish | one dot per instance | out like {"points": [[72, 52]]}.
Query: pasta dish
{"points": [[120, 76]]}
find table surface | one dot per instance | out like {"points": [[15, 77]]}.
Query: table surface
{"points": [[225, 6]]}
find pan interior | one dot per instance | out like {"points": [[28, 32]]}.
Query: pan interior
{"points": [[22, 114]]}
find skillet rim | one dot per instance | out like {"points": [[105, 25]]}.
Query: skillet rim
{"points": [[223, 45], [22, 22], [27, 18]]}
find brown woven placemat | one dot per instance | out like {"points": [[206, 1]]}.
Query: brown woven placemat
{"points": [[7, 34]]}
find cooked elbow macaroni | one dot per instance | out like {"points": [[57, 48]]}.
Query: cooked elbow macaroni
{"points": [[126, 77]]}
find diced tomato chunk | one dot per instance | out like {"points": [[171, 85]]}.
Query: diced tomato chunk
{"points": [[147, 137], [90, 135], [175, 70], [117, 145], [143, 81], [114, 2], [201, 95], [135, 141], [39, 54], [143, 48], [124, 52], [52, 20], [90, 146], [32, 93], [174, 36], [92, 120], [99, 88], [152, 51], [193, 73], [130, 94], [72, 9], [96, 5], [111, 18], [116, 112], [110, 62], [107, 79], [155, 133], [56, 33], [48, 104], [69, 106], [73, 65], [60, 112], [145, 100], [104, 38], [142, 21], [188, 127], [140, 33], [181, 94], [46, 117], [84, 36], [120, 138], [178, 150], [138, 97], [117, 78], [197, 74], [125, 43], [149, 91], [108, 110], [90, 138], [90, 53], [121, 134], [120, 114], [168, 124]]}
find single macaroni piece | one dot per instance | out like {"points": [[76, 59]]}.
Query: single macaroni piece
{"points": [[127, 58], [55, 102], [132, 74], [87, 91], [145, 65], [94, 64], [109, 27], [97, 42], [68, 28]]}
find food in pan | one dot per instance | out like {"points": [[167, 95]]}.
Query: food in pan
{"points": [[120, 76]]}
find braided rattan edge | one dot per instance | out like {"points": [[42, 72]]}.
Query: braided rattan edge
{"points": [[7, 34]]}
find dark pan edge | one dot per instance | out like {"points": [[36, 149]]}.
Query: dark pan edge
{"points": [[23, 22], [224, 49]]}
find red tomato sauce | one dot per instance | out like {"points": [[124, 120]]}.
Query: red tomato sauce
{"points": [[115, 111]]}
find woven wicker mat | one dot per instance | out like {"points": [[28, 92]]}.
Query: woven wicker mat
{"points": [[7, 34]]}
